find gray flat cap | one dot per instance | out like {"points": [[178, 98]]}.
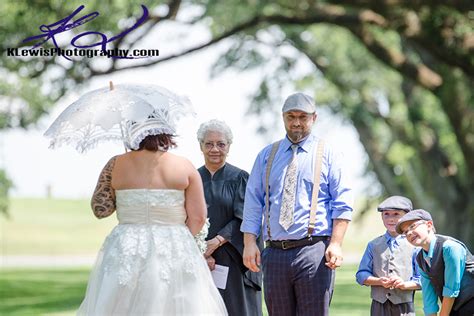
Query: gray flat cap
{"points": [[299, 102], [413, 216], [396, 202]]}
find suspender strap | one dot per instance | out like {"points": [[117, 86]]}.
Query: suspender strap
{"points": [[316, 183], [267, 186]]}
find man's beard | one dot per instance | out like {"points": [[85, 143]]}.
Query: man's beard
{"points": [[296, 137]]}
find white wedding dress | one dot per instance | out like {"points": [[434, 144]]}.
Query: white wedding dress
{"points": [[150, 263]]}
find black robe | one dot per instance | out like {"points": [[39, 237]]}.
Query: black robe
{"points": [[224, 194]]}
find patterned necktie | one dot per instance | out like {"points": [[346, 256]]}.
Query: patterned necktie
{"points": [[289, 192], [392, 244]]}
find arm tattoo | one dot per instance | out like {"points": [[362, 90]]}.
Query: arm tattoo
{"points": [[103, 199]]}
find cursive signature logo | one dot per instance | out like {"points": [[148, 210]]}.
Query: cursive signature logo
{"points": [[67, 24]]}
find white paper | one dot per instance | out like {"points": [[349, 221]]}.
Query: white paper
{"points": [[220, 274]]}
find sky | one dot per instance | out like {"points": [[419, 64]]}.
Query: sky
{"points": [[37, 171]]}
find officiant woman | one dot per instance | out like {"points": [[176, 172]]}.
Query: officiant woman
{"points": [[224, 190]]}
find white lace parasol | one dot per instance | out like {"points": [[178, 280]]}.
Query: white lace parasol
{"points": [[128, 112]]}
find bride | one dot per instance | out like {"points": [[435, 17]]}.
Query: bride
{"points": [[150, 263]]}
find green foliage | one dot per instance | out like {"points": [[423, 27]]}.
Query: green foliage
{"points": [[449, 28], [240, 55], [217, 12], [400, 154], [5, 185], [25, 104]]}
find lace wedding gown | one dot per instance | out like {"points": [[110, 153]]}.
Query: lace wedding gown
{"points": [[150, 263]]}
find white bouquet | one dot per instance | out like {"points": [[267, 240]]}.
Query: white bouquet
{"points": [[200, 237]]}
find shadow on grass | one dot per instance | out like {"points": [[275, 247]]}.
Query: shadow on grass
{"points": [[36, 292]]}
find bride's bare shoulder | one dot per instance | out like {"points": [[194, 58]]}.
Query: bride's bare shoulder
{"points": [[122, 156], [177, 160], [121, 159]]}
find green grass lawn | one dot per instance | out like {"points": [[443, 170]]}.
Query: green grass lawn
{"points": [[52, 227], [59, 292], [41, 291]]}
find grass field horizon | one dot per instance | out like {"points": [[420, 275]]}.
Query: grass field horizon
{"points": [[52, 227], [61, 227]]}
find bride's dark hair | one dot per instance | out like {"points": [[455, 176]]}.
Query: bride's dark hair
{"points": [[161, 142]]}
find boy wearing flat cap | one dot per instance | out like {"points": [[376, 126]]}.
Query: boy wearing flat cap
{"points": [[446, 266], [388, 265]]}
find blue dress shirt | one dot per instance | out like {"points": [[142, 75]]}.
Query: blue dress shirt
{"points": [[454, 256], [335, 199], [366, 263]]}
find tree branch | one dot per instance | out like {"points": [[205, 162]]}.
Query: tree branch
{"points": [[448, 56], [235, 30], [418, 72], [463, 6], [328, 15], [404, 17]]}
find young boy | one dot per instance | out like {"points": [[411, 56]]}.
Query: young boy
{"points": [[447, 266], [388, 265]]}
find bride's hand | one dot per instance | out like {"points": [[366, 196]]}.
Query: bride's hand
{"points": [[211, 263]]}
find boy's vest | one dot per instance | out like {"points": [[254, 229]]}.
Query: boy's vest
{"points": [[386, 264], [436, 272]]}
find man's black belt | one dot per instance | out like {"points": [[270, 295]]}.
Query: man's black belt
{"points": [[288, 244]]}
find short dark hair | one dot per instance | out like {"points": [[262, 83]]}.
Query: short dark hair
{"points": [[157, 142]]}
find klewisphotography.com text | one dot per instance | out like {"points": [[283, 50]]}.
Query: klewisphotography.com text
{"points": [[87, 53]]}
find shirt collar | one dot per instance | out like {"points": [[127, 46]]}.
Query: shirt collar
{"points": [[305, 144], [395, 239], [431, 250]]}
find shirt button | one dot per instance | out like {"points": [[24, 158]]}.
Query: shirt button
{"points": [[390, 271], [388, 294]]}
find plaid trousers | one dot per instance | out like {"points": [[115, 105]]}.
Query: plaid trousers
{"points": [[296, 281]]}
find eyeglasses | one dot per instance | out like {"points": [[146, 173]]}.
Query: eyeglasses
{"points": [[219, 145], [412, 227]]}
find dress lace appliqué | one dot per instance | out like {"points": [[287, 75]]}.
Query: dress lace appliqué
{"points": [[130, 246]]}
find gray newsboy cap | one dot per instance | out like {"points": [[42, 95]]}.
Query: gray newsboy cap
{"points": [[413, 216], [299, 102], [396, 202]]}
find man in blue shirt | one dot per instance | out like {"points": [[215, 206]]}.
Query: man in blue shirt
{"points": [[301, 253]]}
